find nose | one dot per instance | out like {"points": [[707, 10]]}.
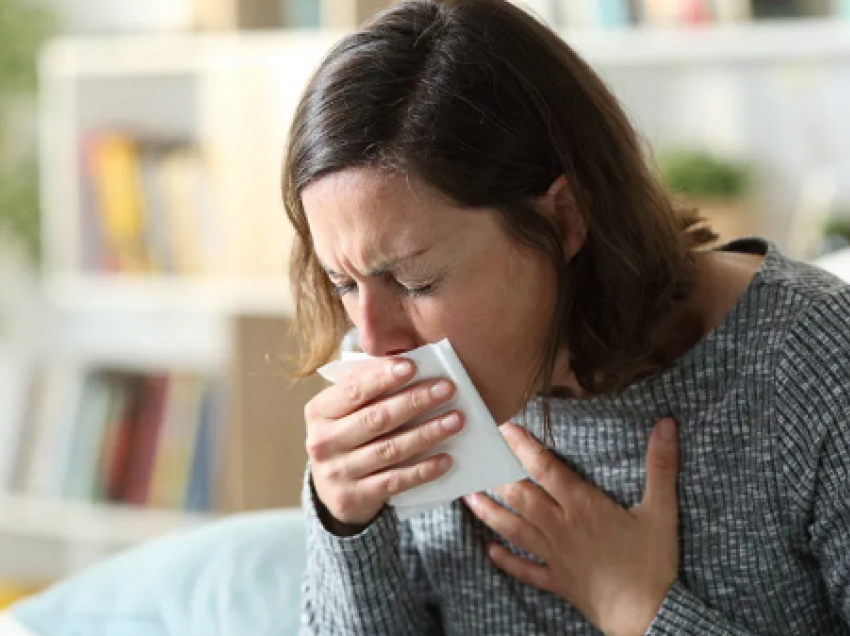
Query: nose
{"points": [[383, 326]]}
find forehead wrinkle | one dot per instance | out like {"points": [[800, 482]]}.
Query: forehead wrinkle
{"points": [[359, 256], [369, 224]]}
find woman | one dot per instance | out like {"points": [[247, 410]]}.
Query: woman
{"points": [[456, 171]]}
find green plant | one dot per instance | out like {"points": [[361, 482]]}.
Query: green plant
{"points": [[838, 223], [24, 26], [700, 174]]}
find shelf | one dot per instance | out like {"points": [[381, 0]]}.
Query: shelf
{"points": [[169, 54], [153, 323], [760, 41], [80, 524], [745, 42], [168, 296]]}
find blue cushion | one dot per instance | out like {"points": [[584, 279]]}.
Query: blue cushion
{"points": [[239, 575]]}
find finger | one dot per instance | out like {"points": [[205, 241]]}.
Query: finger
{"points": [[390, 450], [543, 466], [390, 413], [367, 382], [327, 439], [662, 471], [512, 527], [385, 484], [530, 502], [539, 576]]}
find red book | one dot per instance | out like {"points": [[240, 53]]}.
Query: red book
{"points": [[144, 443]]}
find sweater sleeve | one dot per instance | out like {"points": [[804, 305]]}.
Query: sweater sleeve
{"points": [[370, 584], [683, 614], [813, 396], [830, 527]]}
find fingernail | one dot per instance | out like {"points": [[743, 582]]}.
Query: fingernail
{"points": [[402, 368], [451, 422], [471, 500], [441, 390], [443, 463], [508, 431], [667, 430]]}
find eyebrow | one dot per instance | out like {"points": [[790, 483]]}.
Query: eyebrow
{"points": [[383, 268]]}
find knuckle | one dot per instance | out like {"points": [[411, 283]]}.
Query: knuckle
{"points": [[333, 472], [316, 447], [418, 399], [327, 474], [310, 411], [352, 387], [522, 494], [544, 464], [392, 482], [425, 471], [386, 379], [429, 433], [374, 418], [388, 451], [513, 533], [661, 462], [342, 502]]}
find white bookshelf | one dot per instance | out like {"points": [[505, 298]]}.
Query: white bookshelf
{"points": [[796, 41], [209, 90], [42, 540], [85, 523], [234, 95], [157, 323]]}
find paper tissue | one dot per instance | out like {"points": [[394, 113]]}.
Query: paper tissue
{"points": [[481, 457]]}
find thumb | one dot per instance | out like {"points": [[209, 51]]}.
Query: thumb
{"points": [[662, 472]]}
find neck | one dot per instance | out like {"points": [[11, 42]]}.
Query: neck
{"points": [[721, 279]]}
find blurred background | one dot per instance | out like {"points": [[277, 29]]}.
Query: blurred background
{"points": [[143, 297]]}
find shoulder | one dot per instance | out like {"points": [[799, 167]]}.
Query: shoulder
{"points": [[811, 376], [811, 308], [792, 318], [805, 312]]}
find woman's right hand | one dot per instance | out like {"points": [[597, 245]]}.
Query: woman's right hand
{"points": [[355, 445]]}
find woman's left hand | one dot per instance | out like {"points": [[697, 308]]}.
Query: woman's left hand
{"points": [[614, 565]]}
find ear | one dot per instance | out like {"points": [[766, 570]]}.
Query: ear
{"points": [[560, 206]]}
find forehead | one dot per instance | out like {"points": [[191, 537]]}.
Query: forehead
{"points": [[368, 213]]}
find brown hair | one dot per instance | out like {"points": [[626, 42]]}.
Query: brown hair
{"points": [[485, 104]]}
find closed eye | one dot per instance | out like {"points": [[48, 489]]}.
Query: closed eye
{"points": [[418, 292], [341, 289]]}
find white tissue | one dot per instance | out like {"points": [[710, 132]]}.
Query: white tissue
{"points": [[481, 457]]}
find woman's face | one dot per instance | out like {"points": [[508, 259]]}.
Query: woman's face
{"points": [[412, 268]]}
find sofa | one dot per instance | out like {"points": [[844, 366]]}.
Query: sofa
{"points": [[238, 575]]}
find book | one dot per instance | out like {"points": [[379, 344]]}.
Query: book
{"points": [[117, 191], [199, 491], [96, 408], [175, 443], [145, 441], [53, 420], [188, 208]]}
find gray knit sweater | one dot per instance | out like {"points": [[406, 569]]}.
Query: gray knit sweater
{"points": [[762, 405]]}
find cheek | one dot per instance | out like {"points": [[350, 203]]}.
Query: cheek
{"points": [[496, 349], [503, 338]]}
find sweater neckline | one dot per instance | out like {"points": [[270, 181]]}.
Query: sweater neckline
{"points": [[696, 376]]}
